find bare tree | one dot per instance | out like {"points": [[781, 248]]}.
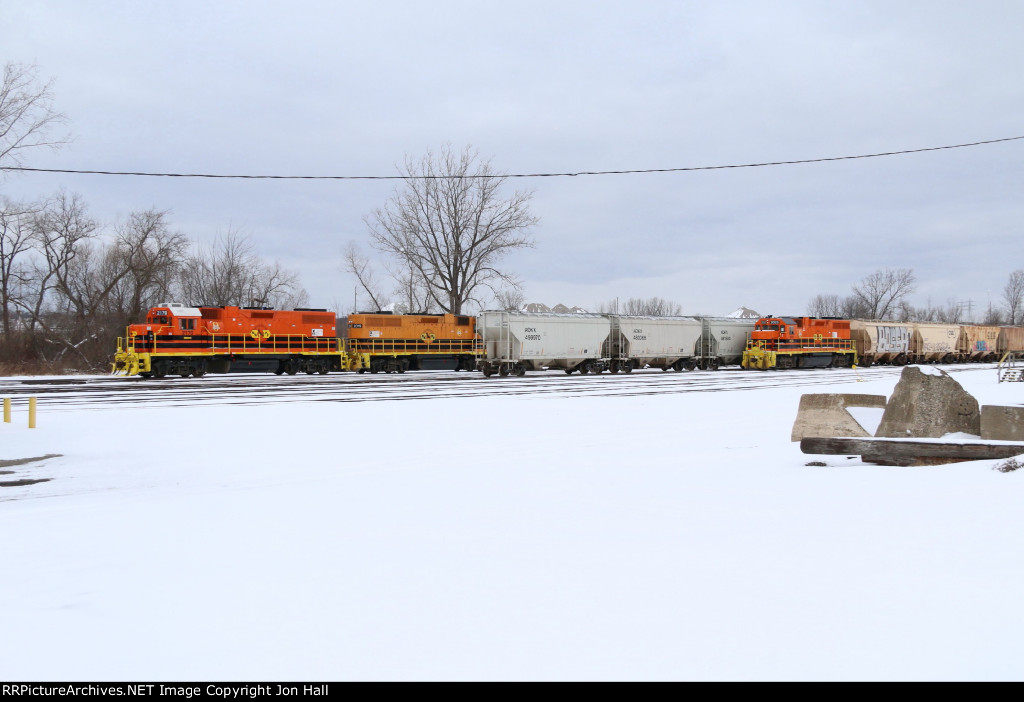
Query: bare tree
{"points": [[512, 299], [450, 226], [15, 241], [1013, 295], [229, 272], [62, 231], [145, 260], [824, 306], [27, 115], [359, 265], [642, 307], [881, 292]]}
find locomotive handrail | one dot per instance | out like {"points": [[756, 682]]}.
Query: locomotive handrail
{"points": [[389, 346]]}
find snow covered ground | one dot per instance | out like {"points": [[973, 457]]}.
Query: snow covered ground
{"points": [[666, 537]]}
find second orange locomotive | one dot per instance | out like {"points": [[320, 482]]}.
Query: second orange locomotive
{"points": [[800, 342]]}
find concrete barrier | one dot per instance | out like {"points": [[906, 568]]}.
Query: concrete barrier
{"points": [[1002, 423], [827, 415]]}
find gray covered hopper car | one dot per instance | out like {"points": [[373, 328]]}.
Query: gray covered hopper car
{"points": [[658, 342], [515, 342]]}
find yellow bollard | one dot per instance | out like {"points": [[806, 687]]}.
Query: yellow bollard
{"points": [[7, 410], [31, 413]]}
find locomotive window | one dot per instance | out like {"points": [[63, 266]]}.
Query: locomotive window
{"points": [[187, 323]]}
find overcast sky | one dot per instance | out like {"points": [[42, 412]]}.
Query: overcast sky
{"points": [[345, 88]]}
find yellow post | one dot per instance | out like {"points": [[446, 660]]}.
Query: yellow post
{"points": [[31, 413], [7, 410]]}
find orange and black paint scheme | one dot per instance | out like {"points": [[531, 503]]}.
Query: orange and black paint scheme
{"points": [[193, 341], [394, 343], [800, 342], [180, 340]]}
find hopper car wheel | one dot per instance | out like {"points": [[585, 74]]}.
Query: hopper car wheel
{"points": [[665, 368], [520, 371], [627, 367], [487, 371], [584, 369], [279, 371], [503, 371], [614, 368], [568, 371], [677, 366]]}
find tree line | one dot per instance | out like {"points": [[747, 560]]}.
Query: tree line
{"points": [[883, 295], [70, 285]]}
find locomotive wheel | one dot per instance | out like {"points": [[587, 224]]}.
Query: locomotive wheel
{"points": [[278, 371], [324, 370]]}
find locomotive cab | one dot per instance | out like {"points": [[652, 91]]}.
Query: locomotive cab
{"points": [[173, 318]]}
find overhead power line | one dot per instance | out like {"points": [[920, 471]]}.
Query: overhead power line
{"points": [[507, 175]]}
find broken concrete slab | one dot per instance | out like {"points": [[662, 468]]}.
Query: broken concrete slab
{"points": [[826, 415], [1002, 423], [928, 403]]}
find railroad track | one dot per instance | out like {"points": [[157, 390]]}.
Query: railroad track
{"points": [[100, 393]]}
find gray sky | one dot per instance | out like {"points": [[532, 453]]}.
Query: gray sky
{"points": [[344, 88]]}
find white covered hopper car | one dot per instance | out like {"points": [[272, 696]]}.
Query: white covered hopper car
{"points": [[515, 342]]}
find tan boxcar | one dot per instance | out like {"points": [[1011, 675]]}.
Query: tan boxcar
{"points": [[982, 342], [1010, 339], [880, 342], [937, 343]]}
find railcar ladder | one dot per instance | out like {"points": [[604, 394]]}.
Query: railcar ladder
{"points": [[1009, 371]]}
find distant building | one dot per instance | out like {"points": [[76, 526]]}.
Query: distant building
{"points": [[540, 307], [744, 313]]}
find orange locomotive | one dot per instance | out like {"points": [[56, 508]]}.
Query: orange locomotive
{"points": [[180, 340], [800, 342], [394, 343]]}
